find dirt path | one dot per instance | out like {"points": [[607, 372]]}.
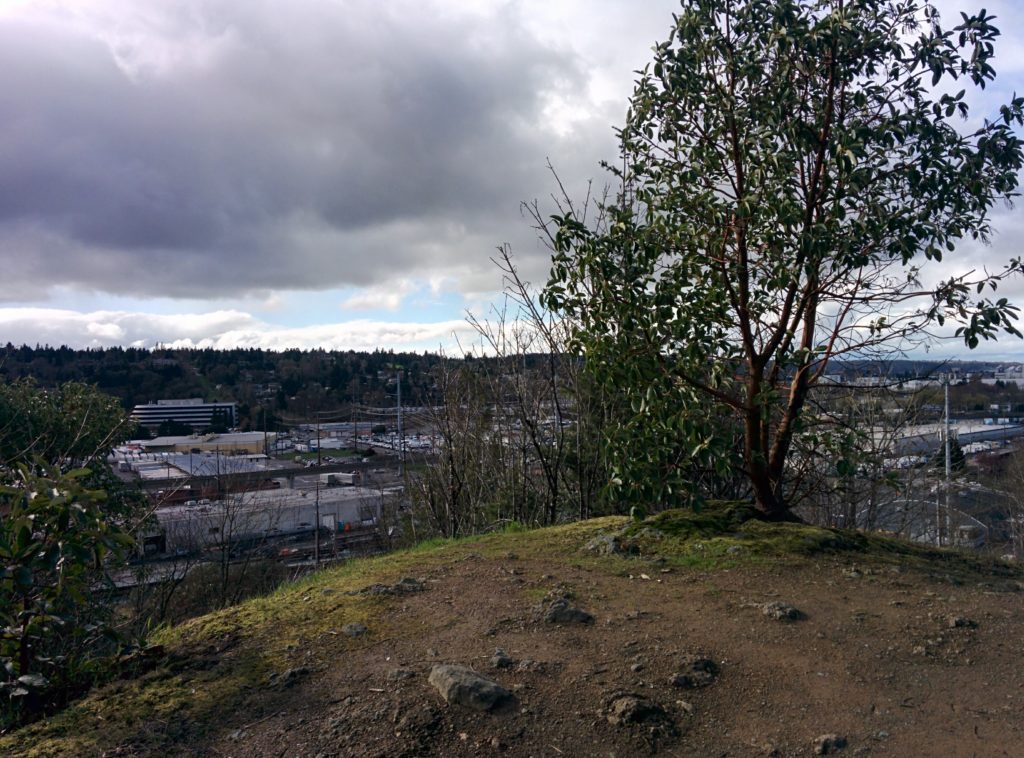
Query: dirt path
{"points": [[892, 662]]}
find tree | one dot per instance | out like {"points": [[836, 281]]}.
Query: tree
{"points": [[788, 171], [69, 425], [957, 459], [62, 527]]}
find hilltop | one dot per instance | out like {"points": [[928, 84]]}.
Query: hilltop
{"points": [[711, 634]]}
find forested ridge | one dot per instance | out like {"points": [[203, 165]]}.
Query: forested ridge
{"points": [[292, 382]]}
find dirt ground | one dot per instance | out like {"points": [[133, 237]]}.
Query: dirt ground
{"points": [[890, 661]]}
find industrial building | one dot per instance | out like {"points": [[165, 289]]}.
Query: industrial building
{"points": [[263, 517], [233, 443], [190, 411]]}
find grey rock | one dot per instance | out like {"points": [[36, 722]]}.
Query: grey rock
{"points": [[526, 665], [605, 544], [960, 622], [501, 659], [460, 685], [398, 675], [781, 611], [629, 708], [405, 586], [289, 677], [374, 589], [826, 744], [561, 611], [354, 629], [696, 671], [408, 585]]}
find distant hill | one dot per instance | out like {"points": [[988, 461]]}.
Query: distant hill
{"points": [[291, 382]]}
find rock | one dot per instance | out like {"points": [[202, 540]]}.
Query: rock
{"points": [[695, 672], [530, 665], [404, 586], [354, 629], [408, 585], [605, 544], [289, 677], [562, 612], [827, 744], [501, 659], [960, 622], [398, 675], [629, 708], [636, 667], [781, 611], [375, 589], [460, 685], [734, 549]]}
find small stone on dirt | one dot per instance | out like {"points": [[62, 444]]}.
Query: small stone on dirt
{"points": [[501, 659], [354, 629], [398, 675], [561, 611], [827, 744], [630, 708], [409, 585], [695, 672], [460, 685], [530, 665], [289, 677], [960, 622], [404, 586], [781, 611]]}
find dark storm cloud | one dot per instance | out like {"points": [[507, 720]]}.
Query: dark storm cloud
{"points": [[223, 147]]}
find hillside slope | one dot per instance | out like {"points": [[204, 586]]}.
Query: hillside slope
{"points": [[892, 649]]}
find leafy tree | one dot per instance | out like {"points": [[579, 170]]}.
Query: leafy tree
{"points": [[69, 425], [62, 526], [56, 534], [788, 168]]}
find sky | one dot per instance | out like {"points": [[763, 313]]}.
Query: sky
{"points": [[316, 173]]}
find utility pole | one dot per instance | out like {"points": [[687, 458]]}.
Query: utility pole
{"points": [[401, 436], [355, 430], [316, 543], [949, 467]]}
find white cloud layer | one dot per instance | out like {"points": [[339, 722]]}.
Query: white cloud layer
{"points": [[222, 330]]}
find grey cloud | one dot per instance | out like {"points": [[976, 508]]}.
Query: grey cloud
{"points": [[232, 146]]}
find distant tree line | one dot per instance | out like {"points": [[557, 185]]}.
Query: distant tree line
{"points": [[267, 385]]}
